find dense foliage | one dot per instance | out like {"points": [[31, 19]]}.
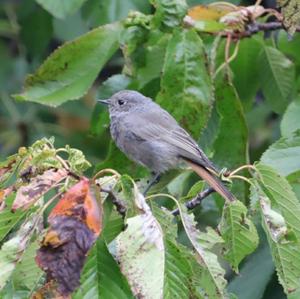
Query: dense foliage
{"points": [[73, 218]]}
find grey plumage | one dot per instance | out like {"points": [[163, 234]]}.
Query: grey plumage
{"points": [[150, 136]]}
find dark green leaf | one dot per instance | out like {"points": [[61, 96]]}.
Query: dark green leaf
{"points": [[238, 232], [277, 75], [8, 219], [186, 89], [284, 155], [169, 13], [255, 273], [101, 276], [246, 67], [290, 120], [71, 69], [61, 8], [231, 144], [36, 31]]}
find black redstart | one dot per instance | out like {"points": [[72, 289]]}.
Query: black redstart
{"points": [[150, 136]]}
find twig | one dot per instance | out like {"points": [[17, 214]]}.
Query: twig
{"points": [[196, 200], [255, 27], [121, 208]]}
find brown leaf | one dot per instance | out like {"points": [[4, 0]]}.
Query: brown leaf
{"points": [[210, 12], [38, 186], [75, 223]]}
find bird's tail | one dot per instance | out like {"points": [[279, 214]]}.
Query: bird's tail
{"points": [[213, 181]]}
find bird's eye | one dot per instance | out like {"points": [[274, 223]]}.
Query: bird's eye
{"points": [[121, 102]]}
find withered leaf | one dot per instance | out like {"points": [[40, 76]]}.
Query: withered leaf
{"points": [[80, 202], [75, 223], [38, 186]]}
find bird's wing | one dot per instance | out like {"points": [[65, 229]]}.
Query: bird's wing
{"points": [[151, 125]]}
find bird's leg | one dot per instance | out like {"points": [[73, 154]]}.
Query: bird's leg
{"points": [[154, 180]]}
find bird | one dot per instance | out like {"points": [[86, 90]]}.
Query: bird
{"points": [[150, 136]]}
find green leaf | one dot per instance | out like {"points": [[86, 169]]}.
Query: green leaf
{"points": [[281, 196], [231, 145], [182, 277], [255, 273], [149, 63], [70, 70], [186, 88], [280, 210], [169, 13], [12, 251], [109, 11], [245, 68], [284, 155], [61, 8], [212, 274], [277, 78], [290, 120], [290, 47], [239, 233], [27, 273], [101, 276], [36, 31], [8, 219], [77, 160]]}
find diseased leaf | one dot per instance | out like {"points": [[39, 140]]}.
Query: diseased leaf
{"points": [[239, 233], [280, 211], [140, 252], [290, 120], [284, 154], [71, 69], [41, 184], [281, 196], [75, 223], [284, 247], [61, 8], [12, 250], [186, 88], [277, 74]]}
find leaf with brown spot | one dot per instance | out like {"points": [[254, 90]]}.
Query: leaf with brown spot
{"points": [[41, 184], [75, 223]]}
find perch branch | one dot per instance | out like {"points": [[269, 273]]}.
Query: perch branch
{"points": [[196, 200]]}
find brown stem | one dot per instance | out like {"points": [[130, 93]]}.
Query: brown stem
{"points": [[196, 200]]}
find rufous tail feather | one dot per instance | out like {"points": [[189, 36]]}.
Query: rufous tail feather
{"points": [[212, 181]]}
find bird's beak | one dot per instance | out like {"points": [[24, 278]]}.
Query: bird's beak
{"points": [[105, 102]]}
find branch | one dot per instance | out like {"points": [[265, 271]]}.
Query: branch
{"points": [[255, 27], [196, 200]]}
